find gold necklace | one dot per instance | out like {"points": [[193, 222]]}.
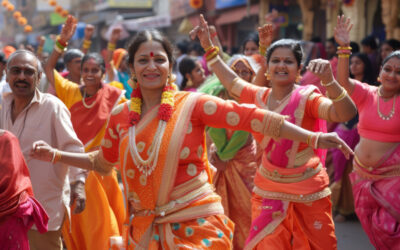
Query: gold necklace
{"points": [[392, 111], [146, 167], [83, 100]]}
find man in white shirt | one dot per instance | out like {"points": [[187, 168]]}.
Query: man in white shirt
{"points": [[31, 116]]}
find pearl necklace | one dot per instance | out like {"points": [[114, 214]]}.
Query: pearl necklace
{"points": [[146, 167], [83, 100], [392, 111]]}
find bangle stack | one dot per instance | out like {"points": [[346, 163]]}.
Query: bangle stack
{"points": [[39, 50], [340, 97], [86, 44], [111, 46], [211, 52], [60, 46], [312, 139], [344, 52], [262, 49]]}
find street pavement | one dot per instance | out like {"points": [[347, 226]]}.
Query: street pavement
{"points": [[351, 236]]}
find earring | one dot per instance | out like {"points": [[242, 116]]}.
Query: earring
{"points": [[171, 79], [378, 79], [133, 81], [189, 83], [268, 76], [298, 78]]}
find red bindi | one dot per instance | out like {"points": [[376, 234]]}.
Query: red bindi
{"points": [[151, 54]]}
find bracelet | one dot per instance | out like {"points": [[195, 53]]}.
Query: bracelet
{"points": [[214, 34], [328, 84], [309, 139], [39, 50], [347, 47], [211, 51], [60, 46], [57, 156], [60, 51], [86, 44], [54, 156], [316, 139], [111, 46], [262, 49], [344, 55], [340, 97], [64, 44], [212, 61]]}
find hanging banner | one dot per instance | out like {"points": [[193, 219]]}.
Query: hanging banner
{"points": [[138, 4]]}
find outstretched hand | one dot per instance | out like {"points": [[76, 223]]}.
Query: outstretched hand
{"points": [[68, 29], [115, 35], [332, 140], [202, 32], [42, 151], [342, 30], [89, 30], [266, 34], [78, 196], [322, 69]]}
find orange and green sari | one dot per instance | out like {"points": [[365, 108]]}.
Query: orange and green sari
{"points": [[104, 212], [175, 206]]}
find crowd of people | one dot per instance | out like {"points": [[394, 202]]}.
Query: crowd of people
{"points": [[156, 146]]}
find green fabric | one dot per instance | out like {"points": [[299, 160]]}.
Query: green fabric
{"points": [[226, 150]]}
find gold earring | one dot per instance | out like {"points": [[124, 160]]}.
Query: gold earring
{"points": [[268, 76], [171, 79], [378, 79], [189, 83]]}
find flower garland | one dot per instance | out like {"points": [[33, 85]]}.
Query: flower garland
{"points": [[166, 107]]}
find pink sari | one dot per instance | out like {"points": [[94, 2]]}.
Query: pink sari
{"points": [[377, 199], [281, 159]]}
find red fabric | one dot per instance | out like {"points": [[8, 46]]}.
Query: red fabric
{"points": [[14, 175], [88, 122]]}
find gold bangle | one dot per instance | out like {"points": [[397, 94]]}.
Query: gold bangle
{"points": [[309, 139], [340, 97], [329, 83], [344, 48], [111, 46], [344, 55]]}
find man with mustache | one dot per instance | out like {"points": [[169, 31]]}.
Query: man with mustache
{"points": [[32, 116]]}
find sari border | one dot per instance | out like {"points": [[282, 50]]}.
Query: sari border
{"points": [[170, 169], [292, 197], [270, 228]]}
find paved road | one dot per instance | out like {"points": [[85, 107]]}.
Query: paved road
{"points": [[351, 236]]}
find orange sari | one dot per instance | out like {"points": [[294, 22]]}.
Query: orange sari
{"points": [[103, 195]]}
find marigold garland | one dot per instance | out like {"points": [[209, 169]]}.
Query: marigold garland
{"points": [[166, 107]]}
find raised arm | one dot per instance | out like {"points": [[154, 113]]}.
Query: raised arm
{"points": [[87, 41], [265, 34], [342, 108], [342, 37], [67, 32], [218, 66], [115, 36]]}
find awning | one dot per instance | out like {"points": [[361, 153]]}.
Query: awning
{"points": [[237, 14]]}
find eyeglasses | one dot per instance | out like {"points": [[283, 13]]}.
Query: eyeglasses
{"points": [[17, 71]]}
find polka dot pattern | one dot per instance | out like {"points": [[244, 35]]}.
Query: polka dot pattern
{"points": [[130, 173], [185, 153], [210, 107], [232, 118], [192, 169], [256, 125]]}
